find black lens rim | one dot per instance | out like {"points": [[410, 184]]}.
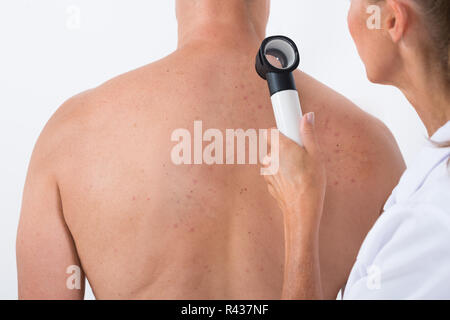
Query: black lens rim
{"points": [[263, 66]]}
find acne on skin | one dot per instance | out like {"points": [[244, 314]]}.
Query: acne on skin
{"points": [[257, 232]]}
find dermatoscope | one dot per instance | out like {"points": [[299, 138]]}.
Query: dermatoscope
{"points": [[276, 61]]}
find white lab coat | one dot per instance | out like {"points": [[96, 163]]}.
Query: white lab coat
{"points": [[406, 255]]}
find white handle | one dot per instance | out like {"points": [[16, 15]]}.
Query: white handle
{"points": [[288, 113]]}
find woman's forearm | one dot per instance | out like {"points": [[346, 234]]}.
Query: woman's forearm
{"points": [[302, 279], [299, 187]]}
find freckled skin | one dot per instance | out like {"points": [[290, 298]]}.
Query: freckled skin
{"points": [[110, 151]]}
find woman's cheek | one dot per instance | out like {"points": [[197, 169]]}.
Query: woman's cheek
{"points": [[352, 21], [357, 27]]}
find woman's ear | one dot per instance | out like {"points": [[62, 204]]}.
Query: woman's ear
{"points": [[397, 19]]}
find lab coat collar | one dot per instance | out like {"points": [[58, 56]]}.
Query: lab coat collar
{"points": [[416, 174], [443, 134]]}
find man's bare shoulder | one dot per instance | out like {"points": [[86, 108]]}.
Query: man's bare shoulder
{"points": [[341, 119], [60, 128], [99, 106], [101, 115], [356, 144]]}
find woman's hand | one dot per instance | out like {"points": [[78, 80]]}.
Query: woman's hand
{"points": [[299, 188], [300, 183]]}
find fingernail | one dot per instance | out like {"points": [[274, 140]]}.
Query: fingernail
{"points": [[310, 117]]}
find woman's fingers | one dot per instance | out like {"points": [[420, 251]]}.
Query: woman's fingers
{"points": [[300, 179], [269, 182], [308, 133], [269, 138], [271, 190], [284, 145], [266, 162]]}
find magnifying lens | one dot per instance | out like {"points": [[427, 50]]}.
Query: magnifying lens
{"points": [[276, 61]]}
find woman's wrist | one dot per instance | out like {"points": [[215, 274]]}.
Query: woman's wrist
{"points": [[303, 220]]}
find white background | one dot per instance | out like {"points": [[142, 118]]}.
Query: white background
{"points": [[44, 61]]}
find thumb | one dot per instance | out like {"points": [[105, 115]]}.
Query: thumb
{"points": [[308, 133]]}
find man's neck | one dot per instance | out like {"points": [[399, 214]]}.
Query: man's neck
{"points": [[227, 23]]}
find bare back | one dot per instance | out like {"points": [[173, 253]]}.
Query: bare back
{"points": [[145, 228]]}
